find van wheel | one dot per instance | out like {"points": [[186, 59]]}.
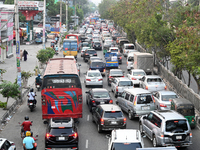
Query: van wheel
{"points": [[99, 128], [155, 144], [130, 116]]}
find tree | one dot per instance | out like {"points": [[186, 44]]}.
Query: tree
{"points": [[44, 55], [9, 89]]}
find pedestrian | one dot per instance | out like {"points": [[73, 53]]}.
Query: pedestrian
{"points": [[21, 54], [25, 53]]}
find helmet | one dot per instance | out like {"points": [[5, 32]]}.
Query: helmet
{"points": [[28, 133], [26, 118], [31, 90], [38, 75]]}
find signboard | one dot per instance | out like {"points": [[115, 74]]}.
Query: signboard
{"points": [[55, 19], [31, 5]]}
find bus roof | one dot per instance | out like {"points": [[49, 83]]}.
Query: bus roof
{"points": [[70, 40], [61, 66]]}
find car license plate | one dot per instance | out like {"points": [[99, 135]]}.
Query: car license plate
{"points": [[145, 108], [61, 138], [178, 137], [102, 102], [91, 55], [113, 122]]}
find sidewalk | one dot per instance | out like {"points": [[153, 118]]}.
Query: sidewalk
{"points": [[11, 74]]}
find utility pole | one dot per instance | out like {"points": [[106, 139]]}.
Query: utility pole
{"points": [[19, 81], [75, 14], [60, 14], [67, 15], [44, 22]]}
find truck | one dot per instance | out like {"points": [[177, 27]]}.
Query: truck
{"points": [[111, 60], [144, 61]]}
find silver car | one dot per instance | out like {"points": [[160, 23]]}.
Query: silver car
{"points": [[93, 78], [152, 83], [162, 99]]}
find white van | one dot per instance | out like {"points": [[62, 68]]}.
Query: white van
{"points": [[130, 60]]}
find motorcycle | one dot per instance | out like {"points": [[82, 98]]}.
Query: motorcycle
{"points": [[23, 134], [31, 105], [38, 86]]}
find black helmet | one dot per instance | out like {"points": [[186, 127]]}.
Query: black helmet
{"points": [[26, 118], [31, 90]]}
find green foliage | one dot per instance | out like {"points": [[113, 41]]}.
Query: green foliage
{"points": [[9, 2], [44, 55], [26, 75], [9, 89]]}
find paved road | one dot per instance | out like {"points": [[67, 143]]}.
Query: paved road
{"points": [[89, 138]]}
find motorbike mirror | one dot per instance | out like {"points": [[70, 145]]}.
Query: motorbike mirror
{"points": [[45, 122], [36, 136]]}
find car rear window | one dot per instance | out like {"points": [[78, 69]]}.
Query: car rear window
{"points": [[101, 95], [125, 83], [130, 47], [168, 97], [114, 50], [138, 74], [91, 51], [97, 64], [94, 74], [116, 73], [144, 99], [130, 58], [176, 126], [125, 146], [154, 80], [59, 131], [113, 114]]}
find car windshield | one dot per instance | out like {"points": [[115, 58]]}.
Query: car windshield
{"points": [[125, 83], [154, 80], [97, 64], [116, 73], [101, 95], [126, 146], [138, 74], [144, 99], [130, 47], [94, 74], [168, 97], [176, 126], [108, 38], [113, 114], [59, 131]]}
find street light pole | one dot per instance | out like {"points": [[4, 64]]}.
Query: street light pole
{"points": [[19, 82], [60, 14], [44, 22], [67, 15]]}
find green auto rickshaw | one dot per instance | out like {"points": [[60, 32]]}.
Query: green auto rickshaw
{"points": [[105, 50], [186, 108]]}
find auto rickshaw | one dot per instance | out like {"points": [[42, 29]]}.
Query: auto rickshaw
{"points": [[186, 108], [105, 50]]}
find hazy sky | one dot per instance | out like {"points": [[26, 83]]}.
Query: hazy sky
{"points": [[96, 1]]}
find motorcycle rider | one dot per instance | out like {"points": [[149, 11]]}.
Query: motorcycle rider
{"points": [[31, 96], [38, 80], [28, 142], [56, 49], [26, 125]]}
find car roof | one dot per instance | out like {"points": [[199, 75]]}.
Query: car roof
{"points": [[182, 101], [126, 136], [167, 92], [113, 48], [169, 114], [96, 60], [128, 44], [123, 79], [137, 70], [99, 90], [116, 70], [110, 107], [137, 91], [152, 76], [93, 71]]}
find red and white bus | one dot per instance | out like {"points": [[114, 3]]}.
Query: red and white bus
{"points": [[61, 89]]}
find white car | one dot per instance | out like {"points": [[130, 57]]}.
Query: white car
{"points": [[83, 50], [114, 50], [93, 78], [128, 48], [6, 144], [135, 75], [130, 60]]}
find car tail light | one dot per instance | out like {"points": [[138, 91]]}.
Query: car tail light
{"points": [[122, 76], [49, 135], [165, 87], [75, 135], [120, 57], [13, 144], [116, 88], [146, 87], [110, 77], [102, 121], [100, 80], [190, 134], [153, 99], [133, 78], [88, 79], [162, 105], [124, 120], [93, 101], [111, 101], [193, 120], [135, 100], [127, 63]]}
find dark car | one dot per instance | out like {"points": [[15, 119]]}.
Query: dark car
{"points": [[85, 44], [108, 117], [115, 35], [119, 57], [114, 73], [89, 53], [98, 64], [97, 45], [61, 133], [97, 96]]}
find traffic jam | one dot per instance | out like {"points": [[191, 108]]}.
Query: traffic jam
{"points": [[101, 93]]}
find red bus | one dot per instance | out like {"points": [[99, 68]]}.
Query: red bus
{"points": [[61, 89], [75, 36]]}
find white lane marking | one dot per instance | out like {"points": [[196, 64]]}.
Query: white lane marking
{"points": [[86, 145], [88, 117]]}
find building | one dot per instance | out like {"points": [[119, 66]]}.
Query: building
{"points": [[6, 31]]}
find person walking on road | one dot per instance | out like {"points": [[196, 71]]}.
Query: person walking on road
{"points": [[28, 142], [21, 54], [25, 53]]}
